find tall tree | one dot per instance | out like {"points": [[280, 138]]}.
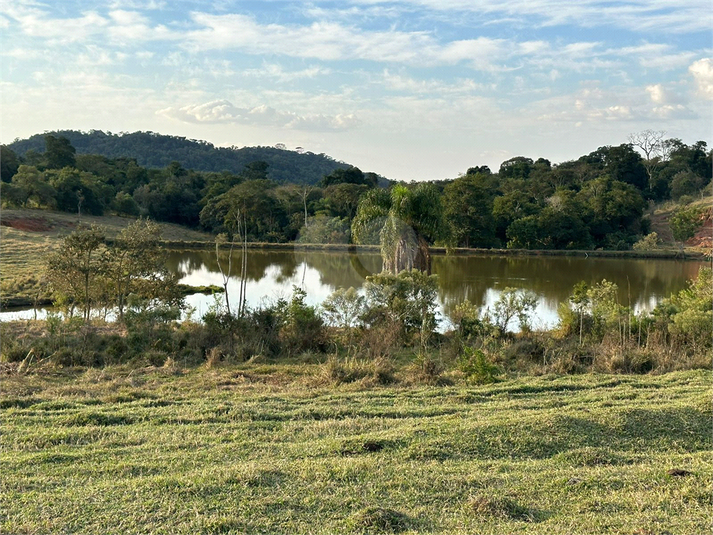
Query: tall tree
{"points": [[8, 163], [136, 265], [406, 219], [59, 152], [74, 269], [31, 188], [469, 210]]}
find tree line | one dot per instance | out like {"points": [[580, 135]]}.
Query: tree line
{"points": [[598, 201], [156, 151]]}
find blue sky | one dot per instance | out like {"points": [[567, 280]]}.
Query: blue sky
{"points": [[412, 89]]}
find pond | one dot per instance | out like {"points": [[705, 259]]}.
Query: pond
{"points": [[481, 279]]}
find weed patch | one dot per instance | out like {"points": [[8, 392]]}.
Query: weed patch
{"points": [[379, 520], [500, 507]]}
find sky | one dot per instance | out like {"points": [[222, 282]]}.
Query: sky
{"points": [[410, 89]]}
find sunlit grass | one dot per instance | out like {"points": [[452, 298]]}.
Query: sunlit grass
{"points": [[269, 448]]}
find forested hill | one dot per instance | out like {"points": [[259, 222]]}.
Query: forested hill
{"points": [[157, 151]]}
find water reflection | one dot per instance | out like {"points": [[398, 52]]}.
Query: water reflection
{"points": [[480, 279]]}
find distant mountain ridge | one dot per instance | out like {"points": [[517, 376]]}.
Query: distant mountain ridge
{"points": [[157, 151]]}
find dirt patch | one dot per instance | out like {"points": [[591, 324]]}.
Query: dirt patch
{"points": [[704, 235], [33, 223]]}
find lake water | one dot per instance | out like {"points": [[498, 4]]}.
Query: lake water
{"points": [[480, 279]]}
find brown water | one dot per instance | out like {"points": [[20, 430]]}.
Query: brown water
{"points": [[642, 282]]}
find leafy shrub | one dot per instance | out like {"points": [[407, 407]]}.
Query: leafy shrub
{"points": [[408, 299], [303, 327], [476, 368], [469, 324], [514, 303], [650, 242]]}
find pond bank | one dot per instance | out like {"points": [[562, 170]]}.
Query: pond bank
{"points": [[696, 255]]}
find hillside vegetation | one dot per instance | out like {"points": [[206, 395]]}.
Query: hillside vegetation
{"points": [[156, 151], [603, 200]]}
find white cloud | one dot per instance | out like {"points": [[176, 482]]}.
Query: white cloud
{"points": [[127, 18], [645, 16], [223, 111], [23, 54], [673, 111], [69, 30], [277, 72], [658, 94], [401, 82], [329, 41], [702, 71], [137, 4]]}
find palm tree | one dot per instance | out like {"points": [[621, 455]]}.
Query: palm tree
{"points": [[401, 221]]}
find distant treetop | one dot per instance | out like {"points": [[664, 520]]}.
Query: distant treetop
{"points": [[158, 151]]}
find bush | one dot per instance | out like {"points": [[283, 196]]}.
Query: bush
{"points": [[302, 328], [408, 299], [476, 368], [514, 303], [650, 242], [466, 318]]}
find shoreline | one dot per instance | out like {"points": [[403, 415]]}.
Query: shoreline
{"points": [[692, 255]]}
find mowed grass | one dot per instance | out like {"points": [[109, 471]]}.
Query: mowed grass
{"points": [[269, 449]]}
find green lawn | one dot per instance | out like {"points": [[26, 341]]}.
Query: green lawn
{"points": [[270, 449]]}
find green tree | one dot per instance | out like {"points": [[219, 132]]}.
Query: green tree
{"points": [[9, 163], [468, 204], [610, 206], [684, 223], [406, 220], [524, 233], [125, 204], [518, 167], [32, 189], [342, 200], [255, 200], [323, 229], [511, 207], [136, 265], [75, 269], [685, 183], [59, 152], [351, 175], [77, 191]]}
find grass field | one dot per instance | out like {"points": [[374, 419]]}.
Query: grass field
{"points": [[274, 449]]}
